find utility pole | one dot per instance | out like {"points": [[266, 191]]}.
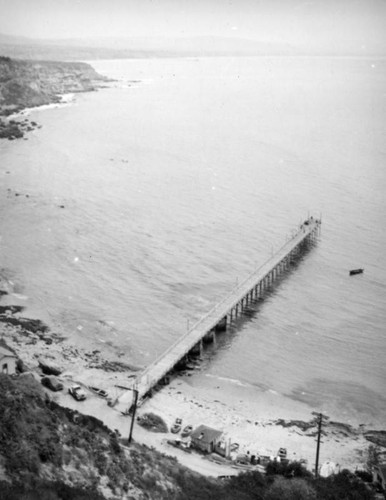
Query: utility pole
{"points": [[320, 419], [134, 408]]}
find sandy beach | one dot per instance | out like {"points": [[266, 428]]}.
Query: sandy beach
{"points": [[260, 425]]}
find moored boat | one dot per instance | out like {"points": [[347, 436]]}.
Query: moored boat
{"points": [[356, 271]]}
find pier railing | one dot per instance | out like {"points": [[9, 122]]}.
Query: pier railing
{"points": [[184, 344]]}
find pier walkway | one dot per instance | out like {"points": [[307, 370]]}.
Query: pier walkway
{"points": [[223, 312]]}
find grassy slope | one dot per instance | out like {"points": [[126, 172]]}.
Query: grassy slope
{"points": [[40, 443], [49, 452]]}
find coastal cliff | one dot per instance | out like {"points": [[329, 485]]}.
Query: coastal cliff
{"points": [[25, 84]]}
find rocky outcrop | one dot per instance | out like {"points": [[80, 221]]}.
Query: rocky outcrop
{"points": [[25, 84], [49, 367], [26, 324]]}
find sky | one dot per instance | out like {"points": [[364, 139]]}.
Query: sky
{"points": [[355, 25]]}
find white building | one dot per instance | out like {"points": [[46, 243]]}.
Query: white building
{"points": [[7, 361]]}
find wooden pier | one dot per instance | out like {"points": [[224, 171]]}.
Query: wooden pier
{"points": [[225, 311]]}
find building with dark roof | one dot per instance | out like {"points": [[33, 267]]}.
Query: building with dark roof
{"points": [[205, 438]]}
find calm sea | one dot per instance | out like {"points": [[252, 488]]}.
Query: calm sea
{"points": [[149, 200]]}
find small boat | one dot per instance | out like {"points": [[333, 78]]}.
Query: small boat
{"points": [[356, 271]]}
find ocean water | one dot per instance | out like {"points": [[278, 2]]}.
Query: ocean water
{"points": [[135, 208]]}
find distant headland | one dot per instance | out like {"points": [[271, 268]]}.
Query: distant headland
{"points": [[25, 84]]}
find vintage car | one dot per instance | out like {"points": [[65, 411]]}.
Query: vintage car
{"points": [[77, 393], [187, 431], [100, 392], [176, 427], [51, 382]]}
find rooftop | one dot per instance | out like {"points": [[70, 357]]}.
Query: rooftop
{"points": [[6, 352], [206, 434]]}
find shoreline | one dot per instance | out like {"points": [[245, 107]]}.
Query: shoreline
{"points": [[40, 85], [17, 124], [260, 426]]}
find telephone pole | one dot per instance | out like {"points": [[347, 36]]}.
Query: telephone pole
{"points": [[134, 409], [320, 419]]}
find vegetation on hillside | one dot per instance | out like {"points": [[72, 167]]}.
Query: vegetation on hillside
{"points": [[49, 452], [25, 84]]}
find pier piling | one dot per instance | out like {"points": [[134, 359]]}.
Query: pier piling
{"points": [[227, 310]]}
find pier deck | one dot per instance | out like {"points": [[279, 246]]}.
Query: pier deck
{"points": [[225, 310]]}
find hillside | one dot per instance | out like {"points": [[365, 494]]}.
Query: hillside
{"points": [[25, 84], [44, 446], [51, 452]]}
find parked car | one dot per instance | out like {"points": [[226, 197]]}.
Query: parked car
{"points": [[176, 427], [282, 453], [52, 383], [187, 431], [101, 392], [77, 393]]}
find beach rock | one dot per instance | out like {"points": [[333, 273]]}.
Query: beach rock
{"points": [[20, 366], [376, 437], [46, 339], [28, 325], [10, 309], [113, 366], [341, 428], [304, 426], [49, 367]]}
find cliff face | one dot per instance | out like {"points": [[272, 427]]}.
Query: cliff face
{"points": [[33, 83], [26, 84]]}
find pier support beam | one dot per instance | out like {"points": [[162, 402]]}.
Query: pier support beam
{"points": [[251, 289], [210, 337], [221, 325], [197, 349]]}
